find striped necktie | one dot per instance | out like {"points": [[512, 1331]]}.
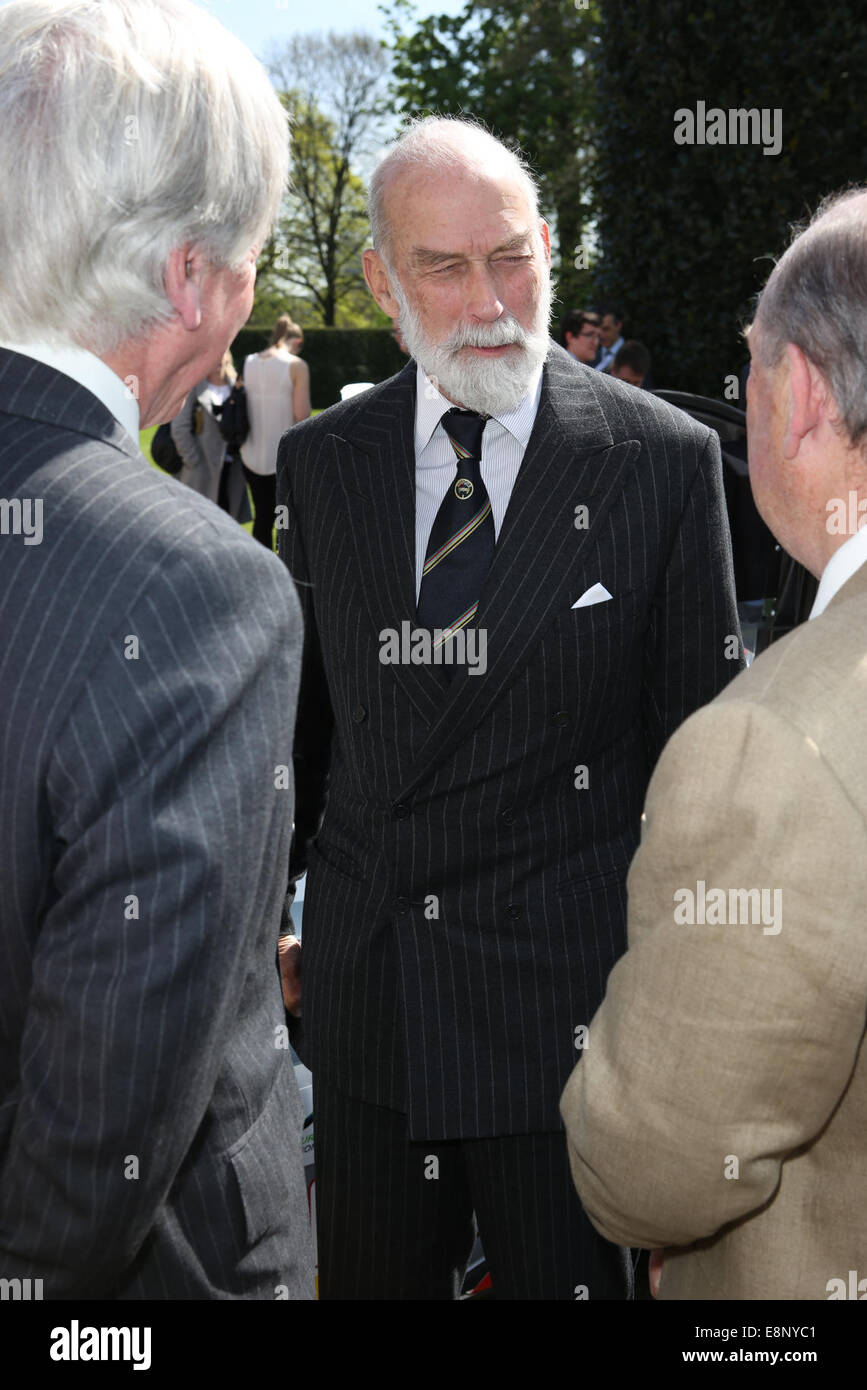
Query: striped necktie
{"points": [[462, 540]]}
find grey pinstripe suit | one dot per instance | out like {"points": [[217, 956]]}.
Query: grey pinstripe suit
{"points": [[149, 1126], [466, 791]]}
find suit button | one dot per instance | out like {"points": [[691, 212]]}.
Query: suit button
{"points": [[359, 714], [560, 718], [513, 911], [401, 810], [401, 904], [507, 817]]}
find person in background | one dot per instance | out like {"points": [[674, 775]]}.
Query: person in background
{"points": [[631, 364], [719, 1110], [610, 335], [579, 334], [278, 396], [208, 467]]}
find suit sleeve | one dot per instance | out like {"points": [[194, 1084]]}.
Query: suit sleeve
{"points": [[693, 646], [169, 823], [315, 721], [731, 1040]]}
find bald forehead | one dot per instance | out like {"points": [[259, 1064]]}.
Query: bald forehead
{"points": [[424, 206], [498, 175]]}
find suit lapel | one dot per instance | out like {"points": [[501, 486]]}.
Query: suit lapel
{"points": [[570, 461], [377, 470], [537, 566]]}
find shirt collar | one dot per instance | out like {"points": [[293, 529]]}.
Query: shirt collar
{"points": [[90, 372], [431, 406], [851, 555]]}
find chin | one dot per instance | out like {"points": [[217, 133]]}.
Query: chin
{"points": [[490, 385]]}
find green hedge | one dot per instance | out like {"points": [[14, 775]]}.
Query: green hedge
{"points": [[335, 356], [688, 233]]}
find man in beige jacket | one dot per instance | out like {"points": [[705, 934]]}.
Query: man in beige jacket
{"points": [[720, 1106]]}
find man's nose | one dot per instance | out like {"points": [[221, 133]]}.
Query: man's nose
{"points": [[483, 301]]}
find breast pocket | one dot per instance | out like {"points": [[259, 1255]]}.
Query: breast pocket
{"points": [[600, 650], [611, 612]]}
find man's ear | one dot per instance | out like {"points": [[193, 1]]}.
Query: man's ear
{"points": [[808, 399], [379, 284], [545, 233], [183, 283]]}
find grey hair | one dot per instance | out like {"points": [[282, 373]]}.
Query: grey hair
{"points": [[816, 298], [437, 144], [128, 128]]}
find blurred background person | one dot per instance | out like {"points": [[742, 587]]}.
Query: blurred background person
{"points": [[210, 468], [579, 334], [632, 363], [278, 395], [610, 335]]}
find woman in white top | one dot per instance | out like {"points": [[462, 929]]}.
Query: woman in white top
{"points": [[278, 396]]}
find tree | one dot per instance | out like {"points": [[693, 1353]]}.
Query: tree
{"points": [[333, 87], [688, 232], [524, 68]]}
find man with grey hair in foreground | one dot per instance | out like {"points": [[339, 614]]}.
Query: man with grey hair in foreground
{"points": [[149, 1117], [720, 1109], [561, 539]]}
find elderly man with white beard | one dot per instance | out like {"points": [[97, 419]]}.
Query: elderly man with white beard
{"points": [[468, 831]]}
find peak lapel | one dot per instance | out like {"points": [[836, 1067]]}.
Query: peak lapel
{"points": [[376, 455], [570, 462]]}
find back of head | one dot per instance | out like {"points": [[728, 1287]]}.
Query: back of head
{"points": [[127, 129], [816, 298], [284, 330], [634, 357]]}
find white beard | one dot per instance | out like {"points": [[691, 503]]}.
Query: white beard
{"points": [[492, 386]]}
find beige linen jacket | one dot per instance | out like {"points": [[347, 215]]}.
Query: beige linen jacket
{"points": [[720, 1104]]}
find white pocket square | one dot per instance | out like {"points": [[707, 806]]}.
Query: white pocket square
{"points": [[597, 593]]}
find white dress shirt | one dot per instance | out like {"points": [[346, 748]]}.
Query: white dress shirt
{"points": [[90, 372], [503, 444], [841, 566]]}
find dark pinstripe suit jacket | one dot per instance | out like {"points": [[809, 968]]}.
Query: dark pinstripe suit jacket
{"points": [[149, 1126], [466, 900]]}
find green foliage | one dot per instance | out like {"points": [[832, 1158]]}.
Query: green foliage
{"points": [[688, 233], [523, 67], [336, 357], [332, 86]]}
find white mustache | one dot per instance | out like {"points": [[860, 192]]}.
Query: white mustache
{"points": [[504, 332]]}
